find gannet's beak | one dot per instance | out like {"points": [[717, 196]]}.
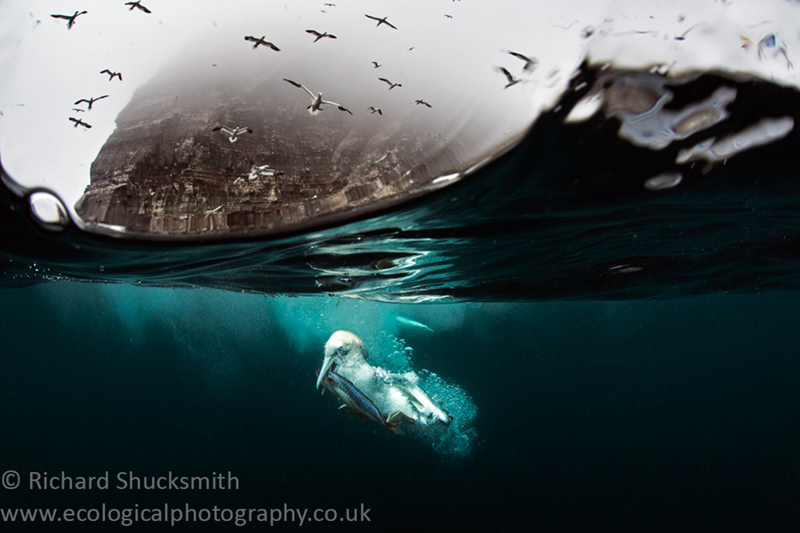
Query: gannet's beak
{"points": [[327, 363]]}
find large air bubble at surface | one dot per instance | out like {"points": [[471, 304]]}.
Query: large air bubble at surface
{"points": [[262, 118]]}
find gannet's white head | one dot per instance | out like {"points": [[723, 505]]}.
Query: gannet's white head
{"points": [[344, 349]]}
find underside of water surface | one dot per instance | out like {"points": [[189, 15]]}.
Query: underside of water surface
{"points": [[626, 160]]}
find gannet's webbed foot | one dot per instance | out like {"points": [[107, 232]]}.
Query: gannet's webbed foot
{"points": [[394, 420], [426, 408]]}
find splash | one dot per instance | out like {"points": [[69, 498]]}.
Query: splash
{"points": [[454, 440]]}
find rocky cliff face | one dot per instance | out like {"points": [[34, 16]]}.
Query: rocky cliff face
{"points": [[164, 172]]}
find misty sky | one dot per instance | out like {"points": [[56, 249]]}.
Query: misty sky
{"points": [[44, 67]]}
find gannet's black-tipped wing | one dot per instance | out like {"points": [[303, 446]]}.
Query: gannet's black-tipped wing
{"points": [[81, 101], [340, 106], [273, 46], [314, 32], [301, 86], [65, 17], [385, 80], [225, 129], [530, 62], [240, 131], [252, 39], [422, 102], [106, 71], [520, 56]]}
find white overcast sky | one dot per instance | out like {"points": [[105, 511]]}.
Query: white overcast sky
{"points": [[44, 67]]}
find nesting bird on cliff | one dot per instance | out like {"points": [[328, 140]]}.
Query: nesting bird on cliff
{"points": [[70, 18], [90, 101], [233, 133], [261, 40], [138, 5], [321, 35], [316, 100]]}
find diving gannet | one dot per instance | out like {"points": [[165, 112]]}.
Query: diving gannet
{"points": [[381, 21], [232, 133], [391, 85], [372, 110], [261, 40], [374, 393], [530, 62], [511, 79], [138, 5], [420, 101], [375, 64], [320, 35], [316, 100], [112, 75], [79, 122], [70, 18], [90, 101]]}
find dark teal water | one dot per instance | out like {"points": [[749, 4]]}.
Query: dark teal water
{"points": [[593, 416]]}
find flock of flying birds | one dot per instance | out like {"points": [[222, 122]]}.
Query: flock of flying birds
{"points": [[111, 74], [317, 102]]}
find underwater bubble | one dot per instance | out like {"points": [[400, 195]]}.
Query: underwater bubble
{"points": [[48, 210]]}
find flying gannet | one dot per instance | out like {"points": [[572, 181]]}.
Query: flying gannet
{"points": [[232, 133], [138, 5], [511, 79], [316, 100], [112, 75], [321, 35], [79, 122], [70, 18], [375, 64], [90, 101], [372, 110], [391, 85], [420, 101], [261, 40], [381, 21]]}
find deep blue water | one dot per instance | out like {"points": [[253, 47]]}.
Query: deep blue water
{"points": [[599, 416]]}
